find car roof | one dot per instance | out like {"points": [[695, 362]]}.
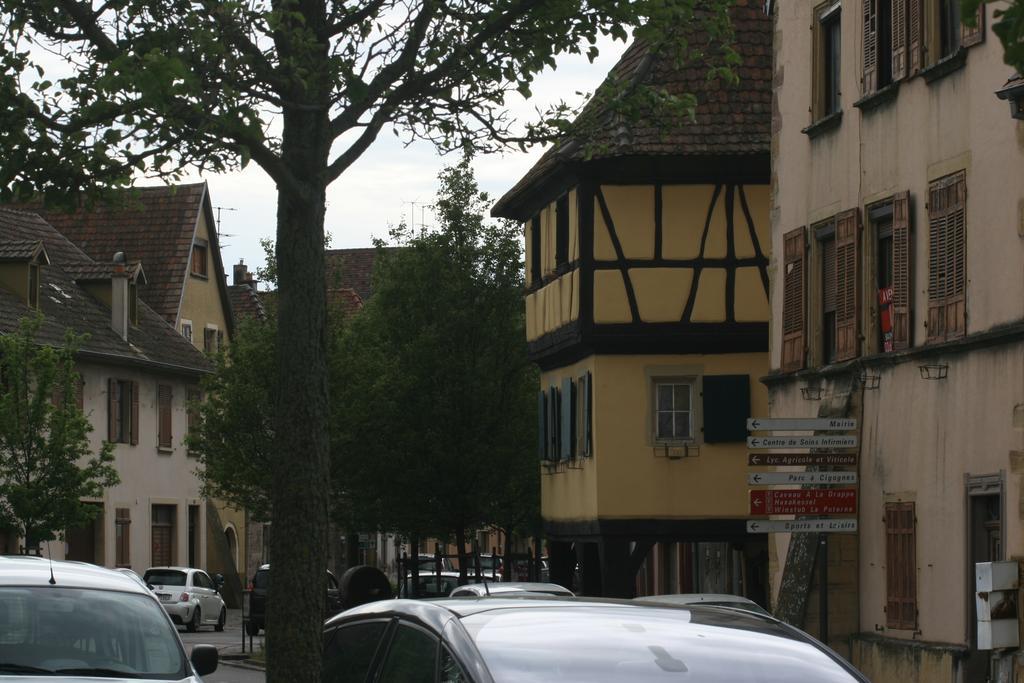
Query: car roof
{"points": [[26, 571], [438, 611], [689, 598], [176, 569], [517, 586]]}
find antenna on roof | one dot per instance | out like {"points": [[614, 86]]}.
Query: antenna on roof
{"points": [[219, 209], [49, 557]]}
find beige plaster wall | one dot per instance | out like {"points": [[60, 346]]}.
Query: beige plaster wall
{"points": [[628, 476], [930, 130], [148, 476], [201, 302]]}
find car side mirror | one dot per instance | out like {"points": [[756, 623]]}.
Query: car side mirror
{"points": [[218, 580], [204, 659]]}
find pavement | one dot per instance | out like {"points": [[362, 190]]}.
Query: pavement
{"points": [[235, 666]]}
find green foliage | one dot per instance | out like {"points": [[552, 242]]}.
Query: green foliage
{"points": [[47, 465], [1009, 26], [234, 438], [433, 394]]}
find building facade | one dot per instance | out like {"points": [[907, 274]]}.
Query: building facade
{"points": [[646, 311], [136, 376], [172, 230], [897, 300]]}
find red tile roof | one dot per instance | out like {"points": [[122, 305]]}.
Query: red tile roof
{"points": [[352, 269], [154, 225], [728, 120], [344, 300], [245, 302], [67, 306]]}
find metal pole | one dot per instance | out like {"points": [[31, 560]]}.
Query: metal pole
{"points": [[823, 587]]}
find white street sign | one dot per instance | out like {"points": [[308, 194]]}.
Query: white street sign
{"points": [[802, 441], [779, 526], [776, 478], [823, 424]]}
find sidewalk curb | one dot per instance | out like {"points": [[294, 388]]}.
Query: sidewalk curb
{"points": [[241, 664]]}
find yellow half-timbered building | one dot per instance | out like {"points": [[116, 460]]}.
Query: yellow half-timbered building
{"points": [[647, 312]]}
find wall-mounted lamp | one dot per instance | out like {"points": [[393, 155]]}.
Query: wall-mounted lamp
{"points": [[934, 371], [1013, 91], [811, 393], [869, 380]]}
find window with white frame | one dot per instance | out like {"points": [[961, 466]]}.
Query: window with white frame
{"points": [[186, 330], [673, 409]]}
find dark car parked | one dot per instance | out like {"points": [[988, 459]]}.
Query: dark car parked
{"points": [[569, 640], [257, 615]]}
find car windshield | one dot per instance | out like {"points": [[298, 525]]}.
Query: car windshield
{"points": [[598, 645], [76, 631], [165, 577]]}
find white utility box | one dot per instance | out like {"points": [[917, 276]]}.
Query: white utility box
{"points": [[996, 586]]}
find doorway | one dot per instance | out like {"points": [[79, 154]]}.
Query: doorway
{"points": [[985, 543]]}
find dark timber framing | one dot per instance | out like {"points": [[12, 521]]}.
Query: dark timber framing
{"points": [[620, 257]]}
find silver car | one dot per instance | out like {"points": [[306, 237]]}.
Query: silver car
{"points": [[716, 599], [84, 623], [511, 589], [188, 595]]}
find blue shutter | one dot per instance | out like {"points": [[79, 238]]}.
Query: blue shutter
{"points": [[542, 424], [566, 423], [552, 429], [585, 390], [726, 408]]}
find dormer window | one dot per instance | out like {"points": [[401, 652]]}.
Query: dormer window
{"points": [[33, 286], [199, 258]]}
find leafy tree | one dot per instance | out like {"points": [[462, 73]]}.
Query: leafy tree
{"points": [[434, 396], [46, 462], [234, 437], [302, 88], [1009, 26]]}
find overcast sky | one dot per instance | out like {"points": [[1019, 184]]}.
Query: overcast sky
{"points": [[390, 182]]}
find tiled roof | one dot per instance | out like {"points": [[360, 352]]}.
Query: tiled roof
{"points": [[66, 305], [94, 272], [352, 269], [728, 120], [18, 250], [154, 225], [344, 300], [245, 302]]}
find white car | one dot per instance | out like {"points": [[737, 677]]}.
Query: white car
{"points": [[188, 595], [76, 622], [511, 589], [714, 599]]}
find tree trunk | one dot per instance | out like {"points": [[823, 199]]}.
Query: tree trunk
{"points": [[301, 470]]}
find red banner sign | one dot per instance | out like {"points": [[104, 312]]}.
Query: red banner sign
{"points": [[804, 502]]}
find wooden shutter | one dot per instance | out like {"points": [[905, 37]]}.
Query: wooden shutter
{"points": [[899, 39], [552, 428], [133, 427], [847, 285], [567, 411], [113, 410], [793, 284], [901, 264], [122, 521], [973, 35], [870, 46], [947, 276], [542, 424], [901, 566], [164, 410], [915, 35], [726, 407], [588, 413]]}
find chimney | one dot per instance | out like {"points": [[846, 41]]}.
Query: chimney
{"points": [[119, 296], [242, 276]]}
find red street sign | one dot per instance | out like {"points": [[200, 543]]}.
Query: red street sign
{"points": [[800, 459], [804, 502]]}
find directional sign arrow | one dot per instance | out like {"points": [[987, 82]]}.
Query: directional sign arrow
{"points": [[758, 442], [818, 424], [800, 459], [818, 478], [801, 525]]}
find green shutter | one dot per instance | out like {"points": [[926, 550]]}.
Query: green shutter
{"points": [[542, 426], [565, 422], [726, 408]]}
